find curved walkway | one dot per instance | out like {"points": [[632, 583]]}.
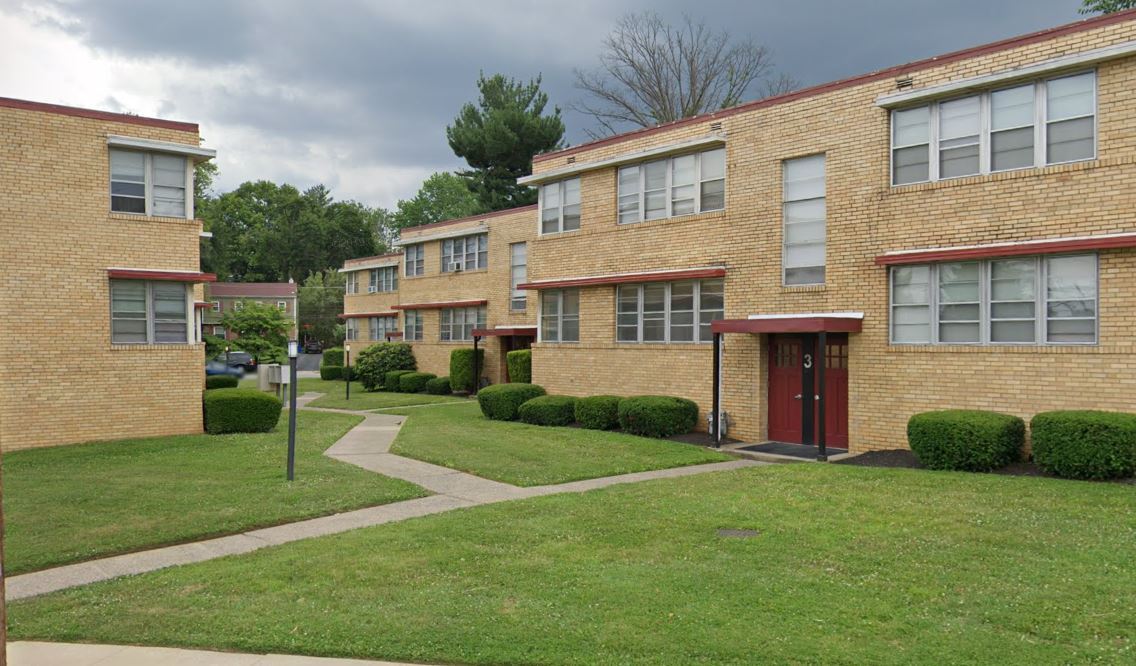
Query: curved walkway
{"points": [[367, 445]]}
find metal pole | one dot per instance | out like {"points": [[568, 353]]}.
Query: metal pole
{"points": [[717, 383], [822, 360], [347, 368], [476, 369], [293, 353]]}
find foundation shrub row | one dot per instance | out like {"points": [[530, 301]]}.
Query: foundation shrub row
{"points": [[647, 415]]}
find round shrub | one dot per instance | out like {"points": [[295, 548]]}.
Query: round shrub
{"points": [[393, 380], [1085, 444], [240, 410], [501, 401], [548, 410], [598, 412], [220, 382], [333, 356], [461, 368], [657, 415], [519, 363], [331, 372], [414, 382], [376, 360], [965, 440], [438, 386]]}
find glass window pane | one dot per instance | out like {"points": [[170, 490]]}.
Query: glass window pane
{"points": [[714, 164], [911, 165], [572, 217], [654, 297], [682, 297], [711, 297], [1012, 108], [959, 119], [127, 165], [550, 196], [656, 175], [804, 275], [1012, 149], [1012, 331], [911, 126], [571, 302], [804, 178], [656, 205], [807, 254], [1069, 97], [1070, 140], [682, 170], [1072, 330], [958, 333], [572, 191], [1012, 280], [1071, 277], [713, 195], [169, 171], [128, 298], [811, 210], [956, 162]]}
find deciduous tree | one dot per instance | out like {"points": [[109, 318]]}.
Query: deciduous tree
{"points": [[1106, 6], [443, 196], [261, 329]]}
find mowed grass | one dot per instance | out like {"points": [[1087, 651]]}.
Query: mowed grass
{"points": [[459, 437], [850, 565], [336, 397], [71, 503]]}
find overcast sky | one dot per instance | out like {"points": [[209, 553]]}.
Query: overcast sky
{"points": [[357, 95]]}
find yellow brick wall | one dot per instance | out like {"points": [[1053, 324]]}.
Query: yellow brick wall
{"points": [[64, 381], [865, 217]]}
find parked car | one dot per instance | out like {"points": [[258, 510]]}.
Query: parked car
{"points": [[238, 359], [216, 367], [313, 347]]}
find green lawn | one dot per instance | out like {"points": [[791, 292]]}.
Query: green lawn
{"points": [[852, 565], [459, 437], [335, 397], [71, 503]]}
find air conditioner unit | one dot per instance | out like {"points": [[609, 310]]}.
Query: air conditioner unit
{"points": [[457, 268]]}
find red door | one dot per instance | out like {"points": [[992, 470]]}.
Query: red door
{"points": [[785, 377], [836, 391]]}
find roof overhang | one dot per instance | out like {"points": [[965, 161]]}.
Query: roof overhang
{"points": [[201, 305], [367, 315], [439, 306], [452, 233], [1014, 249], [668, 275], [133, 143], [706, 141], [811, 322], [159, 274], [522, 331], [385, 263]]}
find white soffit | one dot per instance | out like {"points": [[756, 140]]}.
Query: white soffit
{"points": [[362, 267], [626, 158], [811, 315], [135, 143], [454, 233]]}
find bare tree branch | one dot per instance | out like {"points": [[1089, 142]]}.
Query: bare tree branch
{"points": [[651, 73]]}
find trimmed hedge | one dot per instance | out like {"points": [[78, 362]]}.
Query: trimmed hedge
{"points": [[376, 360], [657, 415], [519, 363], [965, 440], [240, 410], [500, 402], [598, 412], [333, 356], [438, 386], [331, 372], [461, 368], [1085, 444], [414, 382], [393, 380], [548, 410], [220, 382]]}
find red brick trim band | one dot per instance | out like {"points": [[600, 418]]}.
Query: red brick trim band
{"points": [[364, 315], [438, 306], [44, 107], [657, 276], [788, 325], [169, 276], [1016, 250], [523, 331]]}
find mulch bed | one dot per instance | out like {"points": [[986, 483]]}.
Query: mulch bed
{"points": [[902, 458]]}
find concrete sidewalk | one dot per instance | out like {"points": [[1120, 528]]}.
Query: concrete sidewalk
{"points": [[27, 653]]}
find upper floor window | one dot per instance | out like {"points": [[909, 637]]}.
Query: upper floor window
{"points": [[518, 272], [238, 305], [380, 327], [149, 183], [415, 258], [353, 282], [560, 315], [1031, 125], [149, 312], [281, 305], [457, 324], [412, 327], [1017, 300], [215, 306], [668, 311], [560, 206], [673, 186], [802, 255], [466, 253], [383, 279]]}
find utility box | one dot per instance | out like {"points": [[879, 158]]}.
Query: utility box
{"points": [[273, 377]]}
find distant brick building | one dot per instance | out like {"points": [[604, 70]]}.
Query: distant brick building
{"points": [[99, 276], [222, 297]]}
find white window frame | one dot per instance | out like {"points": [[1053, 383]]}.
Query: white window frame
{"points": [[351, 329], [151, 319], [215, 306], [455, 261], [238, 305], [460, 320], [518, 299], [414, 260], [379, 327], [1041, 124], [669, 188], [563, 189], [412, 326], [352, 286], [785, 224], [282, 305], [148, 178], [697, 313], [1041, 303], [557, 296]]}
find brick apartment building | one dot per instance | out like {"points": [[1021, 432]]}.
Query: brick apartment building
{"points": [[951, 233], [99, 276], [222, 297]]}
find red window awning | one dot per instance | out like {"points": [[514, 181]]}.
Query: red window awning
{"points": [[1017, 249], [439, 306], [523, 331], [837, 322], [157, 274], [625, 278], [365, 315]]}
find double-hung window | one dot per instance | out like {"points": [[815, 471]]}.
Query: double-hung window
{"points": [[673, 186], [668, 311], [383, 279], [1016, 300], [149, 312], [282, 305], [458, 324], [518, 272], [560, 206], [415, 258], [351, 329], [149, 183], [353, 282], [380, 327], [467, 253], [560, 315], [412, 326], [803, 250], [1023, 126]]}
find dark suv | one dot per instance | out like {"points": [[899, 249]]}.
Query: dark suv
{"points": [[313, 347], [238, 359]]}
